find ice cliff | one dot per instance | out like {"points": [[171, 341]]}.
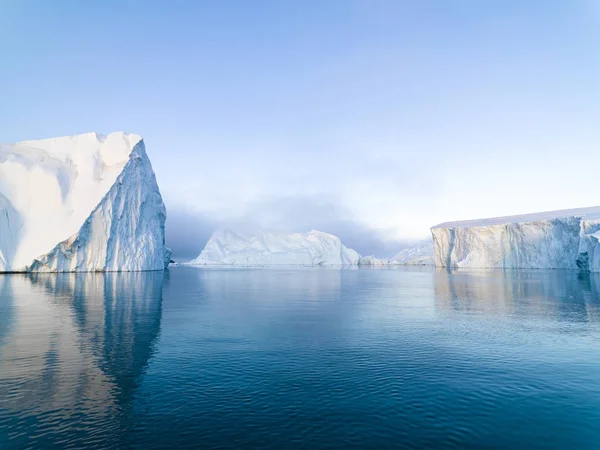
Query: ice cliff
{"points": [[79, 204], [266, 248], [567, 239]]}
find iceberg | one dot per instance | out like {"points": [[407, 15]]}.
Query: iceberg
{"points": [[419, 255], [566, 239], [266, 248], [80, 204], [373, 261]]}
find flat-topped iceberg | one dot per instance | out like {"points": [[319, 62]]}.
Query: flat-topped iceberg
{"points": [[79, 204], [566, 239], [267, 248]]}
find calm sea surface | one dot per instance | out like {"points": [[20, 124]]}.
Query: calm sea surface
{"points": [[303, 358]]}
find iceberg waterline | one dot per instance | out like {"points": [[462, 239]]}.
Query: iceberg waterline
{"points": [[566, 239], [253, 248], [92, 203], [80, 203]]}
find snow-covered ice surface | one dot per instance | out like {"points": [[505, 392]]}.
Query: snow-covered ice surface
{"points": [[566, 239], [265, 248], [590, 213], [80, 203], [419, 255]]}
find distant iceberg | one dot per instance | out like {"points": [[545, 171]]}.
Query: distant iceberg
{"points": [[418, 255], [266, 248], [566, 239], [80, 204], [373, 261]]}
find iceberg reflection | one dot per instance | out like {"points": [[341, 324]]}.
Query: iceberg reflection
{"points": [[79, 343], [559, 294]]}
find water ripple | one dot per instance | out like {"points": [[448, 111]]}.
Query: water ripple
{"points": [[300, 359]]}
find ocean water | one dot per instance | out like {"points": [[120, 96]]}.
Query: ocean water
{"points": [[300, 358]]}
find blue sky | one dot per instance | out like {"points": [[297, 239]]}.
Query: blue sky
{"points": [[371, 119]]}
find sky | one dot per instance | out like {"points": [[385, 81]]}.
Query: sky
{"points": [[370, 119]]}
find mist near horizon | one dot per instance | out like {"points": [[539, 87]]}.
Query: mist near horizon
{"points": [[188, 233]]}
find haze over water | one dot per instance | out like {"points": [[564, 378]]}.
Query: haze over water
{"points": [[299, 358]]}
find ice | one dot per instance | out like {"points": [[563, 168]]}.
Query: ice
{"points": [[80, 203], [267, 248], [590, 213], [566, 239], [418, 255]]}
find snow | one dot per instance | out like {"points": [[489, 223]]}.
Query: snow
{"points": [[566, 239], [80, 203], [267, 248], [590, 213]]}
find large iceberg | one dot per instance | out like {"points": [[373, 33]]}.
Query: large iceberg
{"points": [[566, 239], [80, 204], [265, 248]]}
